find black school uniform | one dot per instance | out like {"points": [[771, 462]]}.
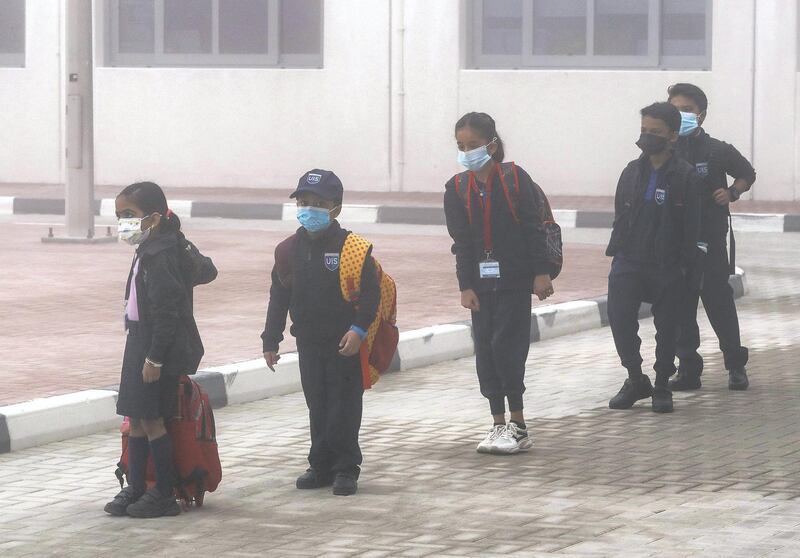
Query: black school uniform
{"points": [[654, 246], [502, 328], [309, 291], [166, 331], [714, 161]]}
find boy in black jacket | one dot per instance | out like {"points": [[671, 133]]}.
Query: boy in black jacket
{"points": [[329, 330], [713, 160], [654, 246]]}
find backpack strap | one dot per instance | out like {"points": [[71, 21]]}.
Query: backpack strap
{"points": [[506, 172], [284, 254], [464, 182], [351, 264]]}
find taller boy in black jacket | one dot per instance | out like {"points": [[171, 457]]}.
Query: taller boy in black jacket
{"points": [[713, 160], [654, 246]]}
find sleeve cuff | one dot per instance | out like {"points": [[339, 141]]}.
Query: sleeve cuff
{"points": [[361, 332]]}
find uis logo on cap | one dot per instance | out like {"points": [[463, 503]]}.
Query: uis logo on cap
{"points": [[313, 178]]}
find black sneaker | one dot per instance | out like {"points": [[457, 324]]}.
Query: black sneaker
{"points": [[345, 484], [313, 478], [153, 504], [119, 505], [662, 400], [737, 379], [685, 381], [631, 392]]}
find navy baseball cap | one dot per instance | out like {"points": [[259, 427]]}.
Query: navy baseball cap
{"points": [[323, 183]]}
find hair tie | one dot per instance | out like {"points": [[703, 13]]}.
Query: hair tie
{"points": [[169, 213]]}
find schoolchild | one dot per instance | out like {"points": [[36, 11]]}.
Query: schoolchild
{"points": [[714, 161], [329, 330], [499, 245], [654, 248], [162, 342]]}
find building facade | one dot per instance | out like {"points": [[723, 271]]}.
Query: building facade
{"points": [[225, 93]]}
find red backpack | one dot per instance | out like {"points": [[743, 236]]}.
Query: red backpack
{"points": [[508, 173], [194, 443]]}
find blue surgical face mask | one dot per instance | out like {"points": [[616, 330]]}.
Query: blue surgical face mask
{"points": [[314, 219], [688, 123], [475, 159]]}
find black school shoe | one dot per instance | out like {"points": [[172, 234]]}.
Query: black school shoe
{"points": [[737, 379], [631, 392], [685, 381], [662, 400], [313, 478], [119, 505], [346, 483], [153, 504]]}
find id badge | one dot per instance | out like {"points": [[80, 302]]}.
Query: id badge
{"points": [[489, 269]]}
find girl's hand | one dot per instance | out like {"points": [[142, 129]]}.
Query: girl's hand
{"points": [[543, 286], [469, 300], [350, 344], [150, 373], [272, 358]]}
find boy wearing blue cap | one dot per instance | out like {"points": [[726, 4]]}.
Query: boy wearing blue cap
{"points": [[329, 330]]}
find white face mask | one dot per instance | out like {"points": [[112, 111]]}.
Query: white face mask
{"points": [[130, 230]]}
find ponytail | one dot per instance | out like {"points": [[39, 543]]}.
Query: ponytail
{"points": [[484, 126]]}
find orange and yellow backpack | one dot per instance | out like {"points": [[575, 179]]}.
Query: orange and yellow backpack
{"points": [[380, 345]]}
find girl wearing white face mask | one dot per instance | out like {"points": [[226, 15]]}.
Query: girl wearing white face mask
{"points": [[494, 215], [162, 341]]}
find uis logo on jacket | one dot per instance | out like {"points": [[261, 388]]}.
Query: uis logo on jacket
{"points": [[661, 196], [332, 261]]}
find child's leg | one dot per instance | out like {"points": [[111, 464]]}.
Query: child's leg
{"points": [[511, 341], [344, 392], [138, 449], [312, 377], [490, 383], [161, 446]]}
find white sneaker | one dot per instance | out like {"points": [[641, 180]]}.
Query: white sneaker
{"points": [[524, 441], [486, 445], [506, 443]]}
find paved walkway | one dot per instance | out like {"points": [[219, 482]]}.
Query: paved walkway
{"points": [[61, 305], [718, 478]]}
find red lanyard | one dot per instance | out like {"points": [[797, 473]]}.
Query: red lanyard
{"points": [[486, 203]]}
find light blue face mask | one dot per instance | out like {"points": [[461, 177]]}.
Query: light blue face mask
{"points": [[688, 123], [314, 219], [475, 159]]}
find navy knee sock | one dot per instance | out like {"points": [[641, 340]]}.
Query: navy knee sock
{"points": [[138, 449], [162, 459]]}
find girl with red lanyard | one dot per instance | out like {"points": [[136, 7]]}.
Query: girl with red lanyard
{"points": [[500, 250]]}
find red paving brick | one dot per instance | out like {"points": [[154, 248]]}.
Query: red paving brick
{"points": [[61, 305], [272, 195]]}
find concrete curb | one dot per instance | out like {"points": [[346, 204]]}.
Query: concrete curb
{"points": [[360, 213], [51, 419]]}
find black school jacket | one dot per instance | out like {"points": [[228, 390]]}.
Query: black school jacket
{"points": [[678, 226], [164, 298], [312, 294], [519, 247], [714, 160]]}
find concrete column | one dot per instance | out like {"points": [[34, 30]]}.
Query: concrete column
{"points": [[775, 99], [79, 150]]}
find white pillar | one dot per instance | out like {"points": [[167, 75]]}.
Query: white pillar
{"points": [[775, 99]]}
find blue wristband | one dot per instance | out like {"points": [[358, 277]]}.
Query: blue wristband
{"points": [[361, 332]]}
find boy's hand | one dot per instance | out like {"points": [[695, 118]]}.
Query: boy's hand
{"points": [[150, 373], [543, 286], [469, 300], [350, 344], [272, 358], [722, 197]]}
